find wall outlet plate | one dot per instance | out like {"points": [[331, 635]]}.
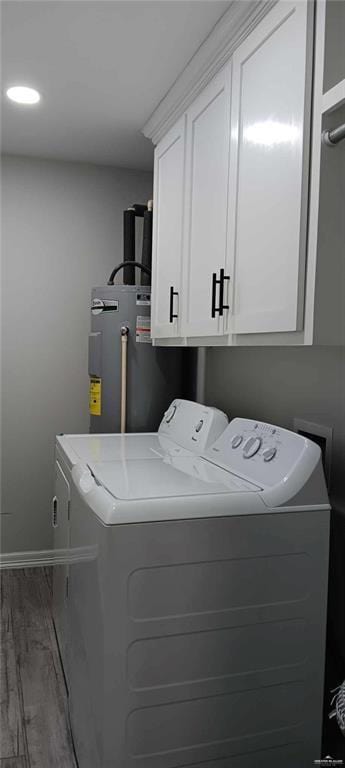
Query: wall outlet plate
{"points": [[323, 436]]}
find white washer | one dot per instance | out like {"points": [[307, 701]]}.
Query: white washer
{"points": [[186, 428], [197, 599]]}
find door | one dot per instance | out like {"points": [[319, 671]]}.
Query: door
{"points": [[207, 162], [60, 521], [269, 171], [168, 232]]}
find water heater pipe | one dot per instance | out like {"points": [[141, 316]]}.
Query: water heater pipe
{"points": [[129, 246], [200, 375], [124, 347], [129, 217], [124, 264], [146, 257]]}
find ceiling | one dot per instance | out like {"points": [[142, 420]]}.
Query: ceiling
{"points": [[102, 66]]}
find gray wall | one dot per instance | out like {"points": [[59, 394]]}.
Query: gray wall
{"points": [[62, 234], [278, 384]]}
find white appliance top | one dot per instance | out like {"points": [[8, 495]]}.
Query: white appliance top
{"points": [[169, 476], [186, 427], [98, 448], [251, 467]]}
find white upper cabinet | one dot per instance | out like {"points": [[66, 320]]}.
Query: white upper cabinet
{"points": [[168, 232], [206, 207], [248, 214], [268, 172]]}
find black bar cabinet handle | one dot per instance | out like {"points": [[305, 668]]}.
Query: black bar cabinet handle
{"points": [[214, 289], [222, 278], [221, 292], [171, 311]]}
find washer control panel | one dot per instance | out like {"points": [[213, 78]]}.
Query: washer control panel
{"points": [[192, 425], [260, 452]]}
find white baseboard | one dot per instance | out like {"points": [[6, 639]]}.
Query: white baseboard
{"points": [[35, 559], [47, 557]]}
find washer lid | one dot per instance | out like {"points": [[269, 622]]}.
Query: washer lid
{"points": [[169, 476], [99, 448]]}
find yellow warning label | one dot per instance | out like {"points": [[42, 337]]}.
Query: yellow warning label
{"points": [[95, 397]]}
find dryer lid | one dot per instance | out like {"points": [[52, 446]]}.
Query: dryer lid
{"points": [[169, 476]]}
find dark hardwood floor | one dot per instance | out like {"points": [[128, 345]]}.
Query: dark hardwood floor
{"points": [[34, 730]]}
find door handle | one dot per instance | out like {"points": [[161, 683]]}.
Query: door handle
{"points": [[171, 310], [215, 282], [54, 509], [222, 278]]}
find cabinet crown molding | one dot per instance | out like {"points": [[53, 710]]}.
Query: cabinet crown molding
{"points": [[231, 29]]}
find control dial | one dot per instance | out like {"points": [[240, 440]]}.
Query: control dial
{"points": [[251, 447], [170, 414], [236, 441], [269, 454], [199, 425]]}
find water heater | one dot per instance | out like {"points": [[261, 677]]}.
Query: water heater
{"points": [[131, 381]]}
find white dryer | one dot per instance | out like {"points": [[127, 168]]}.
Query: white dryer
{"points": [[197, 598]]}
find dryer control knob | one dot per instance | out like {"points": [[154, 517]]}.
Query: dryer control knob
{"points": [[269, 454], [251, 447], [199, 425], [236, 441], [170, 413]]}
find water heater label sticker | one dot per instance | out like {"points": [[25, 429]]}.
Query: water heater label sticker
{"points": [[143, 330], [143, 300], [95, 397], [103, 305]]}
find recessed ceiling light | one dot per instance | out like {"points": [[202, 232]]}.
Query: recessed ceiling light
{"points": [[23, 95]]}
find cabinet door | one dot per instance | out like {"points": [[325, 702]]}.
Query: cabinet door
{"points": [[207, 164], [60, 519], [269, 171], [168, 232]]}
